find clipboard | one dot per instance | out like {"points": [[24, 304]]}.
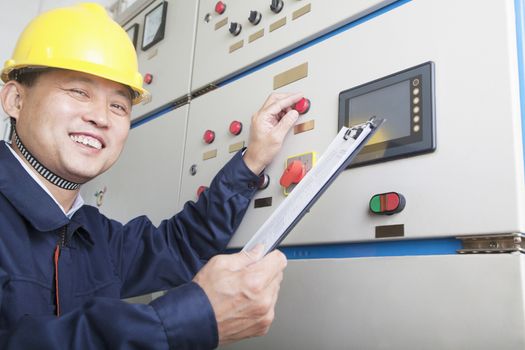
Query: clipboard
{"points": [[339, 154]]}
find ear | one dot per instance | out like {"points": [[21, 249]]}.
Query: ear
{"points": [[11, 98]]}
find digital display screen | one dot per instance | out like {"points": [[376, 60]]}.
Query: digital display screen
{"points": [[392, 103], [406, 101], [154, 24]]}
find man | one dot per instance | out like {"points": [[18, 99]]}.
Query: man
{"points": [[64, 267]]}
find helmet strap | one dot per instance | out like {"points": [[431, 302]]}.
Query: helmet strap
{"points": [[42, 170]]}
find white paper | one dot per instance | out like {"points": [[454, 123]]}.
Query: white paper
{"points": [[331, 160]]}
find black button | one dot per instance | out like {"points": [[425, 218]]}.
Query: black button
{"points": [[235, 28], [276, 6], [264, 181], [255, 17]]}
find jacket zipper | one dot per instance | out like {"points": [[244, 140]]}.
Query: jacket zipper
{"points": [[60, 244]]}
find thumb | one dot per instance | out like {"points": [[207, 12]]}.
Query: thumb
{"points": [[248, 257]]}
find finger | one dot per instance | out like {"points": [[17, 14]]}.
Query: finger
{"points": [[269, 267], [283, 103], [256, 326], [246, 258], [286, 123], [274, 97], [256, 253]]}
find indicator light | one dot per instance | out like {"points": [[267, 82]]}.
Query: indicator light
{"points": [[220, 7], [148, 78], [209, 136], [387, 203], [235, 127], [200, 190]]}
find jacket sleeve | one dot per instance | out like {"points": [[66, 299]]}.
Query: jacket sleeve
{"points": [[150, 258], [181, 319]]}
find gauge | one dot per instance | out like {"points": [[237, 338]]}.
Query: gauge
{"points": [[154, 24]]}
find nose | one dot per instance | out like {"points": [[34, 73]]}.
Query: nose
{"points": [[98, 116]]}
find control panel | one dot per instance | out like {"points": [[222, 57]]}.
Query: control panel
{"points": [[440, 153], [234, 35], [163, 32]]}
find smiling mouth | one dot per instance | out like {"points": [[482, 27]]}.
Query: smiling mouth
{"points": [[87, 141]]}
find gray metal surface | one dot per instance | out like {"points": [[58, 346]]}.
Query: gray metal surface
{"points": [[409, 303]]}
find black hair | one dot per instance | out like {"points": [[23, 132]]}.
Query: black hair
{"points": [[27, 76]]}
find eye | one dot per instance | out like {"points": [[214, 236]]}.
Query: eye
{"points": [[79, 92], [120, 108]]}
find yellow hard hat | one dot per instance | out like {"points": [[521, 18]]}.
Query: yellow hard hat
{"points": [[82, 38]]}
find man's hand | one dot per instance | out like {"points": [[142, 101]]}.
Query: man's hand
{"points": [[242, 292], [269, 128]]}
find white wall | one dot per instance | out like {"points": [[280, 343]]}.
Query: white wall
{"points": [[14, 16]]}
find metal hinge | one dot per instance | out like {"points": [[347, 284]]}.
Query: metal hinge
{"points": [[493, 244], [204, 90]]}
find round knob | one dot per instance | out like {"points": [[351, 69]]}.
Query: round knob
{"points": [[264, 182], [220, 7], [235, 127], [302, 106], [148, 78], [276, 6], [235, 28], [255, 17], [209, 136]]}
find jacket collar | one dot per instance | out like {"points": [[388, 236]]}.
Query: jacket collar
{"points": [[31, 201]]}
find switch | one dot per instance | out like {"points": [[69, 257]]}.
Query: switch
{"points": [[387, 203], [276, 6], [235, 28], [302, 106], [255, 17], [209, 136], [200, 190], [148, 78], [235, 127], [220, 7], [264, 182], [293, 173]]}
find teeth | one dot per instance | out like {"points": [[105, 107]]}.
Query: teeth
{"points": [[86, 140]]}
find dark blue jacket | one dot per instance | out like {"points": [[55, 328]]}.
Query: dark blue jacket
{"points": [[101, 261]]}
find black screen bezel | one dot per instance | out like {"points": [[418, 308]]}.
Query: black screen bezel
{"points": [[422, 142]]}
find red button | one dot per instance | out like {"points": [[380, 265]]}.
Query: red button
{"points": [[209, 136], [302, 106], [200, 190], [391, 201], [220, 7], [148, 78], [293, 173], [235, 127]]}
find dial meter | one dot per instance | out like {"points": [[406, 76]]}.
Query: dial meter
{"points": [[154, 25]]}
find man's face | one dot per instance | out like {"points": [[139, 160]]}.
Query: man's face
{"points": [[74, 123]]}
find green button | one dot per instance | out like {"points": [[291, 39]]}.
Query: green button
{"points": [[375, 204]]}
